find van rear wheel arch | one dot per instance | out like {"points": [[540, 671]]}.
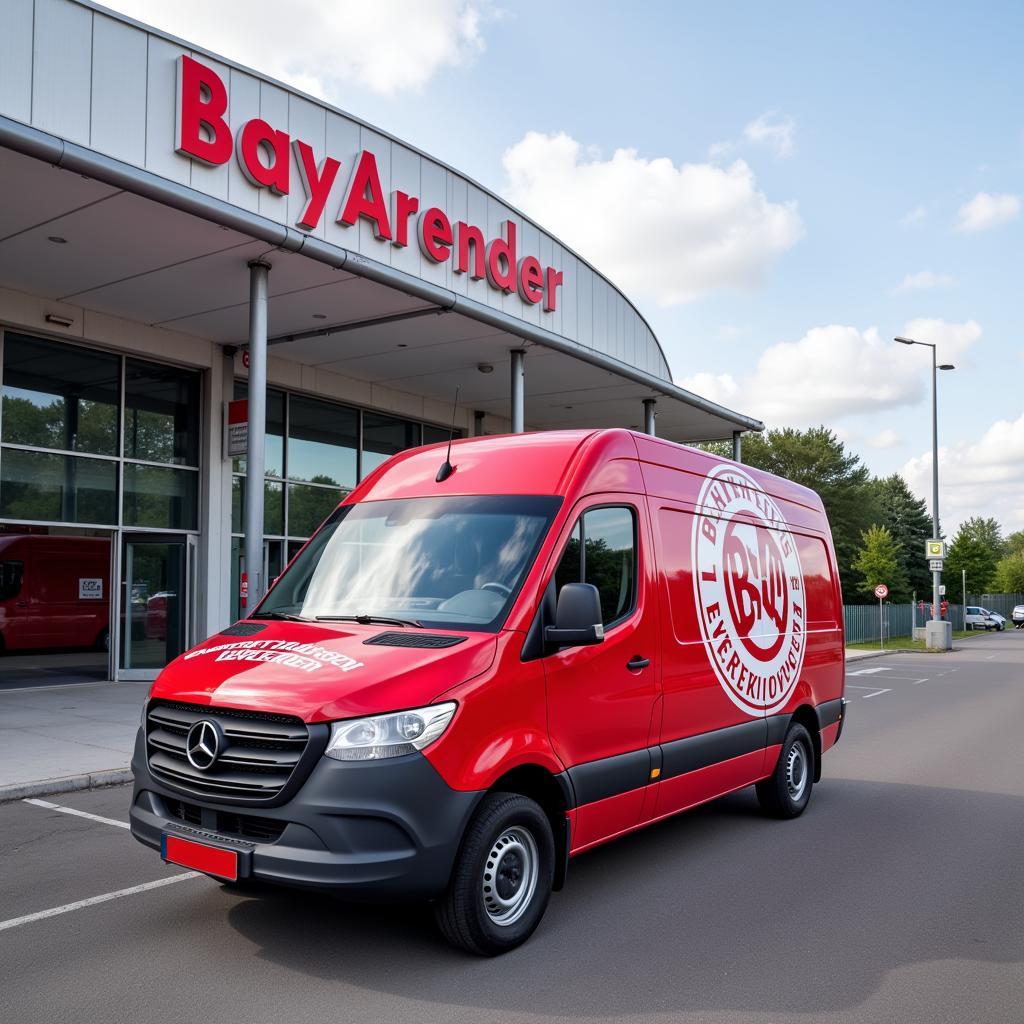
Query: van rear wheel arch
{"points": [[808, 718]]}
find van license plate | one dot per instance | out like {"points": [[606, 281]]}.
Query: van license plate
{"points": [[211, 860]]}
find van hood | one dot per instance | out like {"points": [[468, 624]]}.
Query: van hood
{"points": [[322, 672]]}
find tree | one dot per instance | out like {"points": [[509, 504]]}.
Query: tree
{"points": [[1015, 543], [988, 532], [1009, 577], [879, 561], [975, 549], [907, 519], [819, 460]]}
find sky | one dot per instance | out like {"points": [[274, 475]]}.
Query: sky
{"points": [[779, 188]]}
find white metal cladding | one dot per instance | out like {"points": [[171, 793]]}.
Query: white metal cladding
{"points": [[107, 83]]}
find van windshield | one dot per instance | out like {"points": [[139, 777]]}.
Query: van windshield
{"points": [[445, 562]]}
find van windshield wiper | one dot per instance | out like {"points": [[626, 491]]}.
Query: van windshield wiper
{"points": [[288, 616], [366, 620]]}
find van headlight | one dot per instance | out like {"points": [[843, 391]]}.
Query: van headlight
{"points": [[404, 732]]}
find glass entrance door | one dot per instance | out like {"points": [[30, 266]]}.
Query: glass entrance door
{"points": [[154, 603]]}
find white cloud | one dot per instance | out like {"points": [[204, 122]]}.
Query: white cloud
{"points": [[774, 130], [922, 281], [915, 216], [387, 47], [984, 476], [986, 211], [885, 439], [671, 233], [837, 371]]}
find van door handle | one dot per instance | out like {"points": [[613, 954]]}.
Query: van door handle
{"points": [[636, 662]]}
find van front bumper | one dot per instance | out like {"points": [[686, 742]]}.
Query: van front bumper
{"points": [[386, 829]]}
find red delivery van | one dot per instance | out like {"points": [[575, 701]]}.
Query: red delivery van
{"points": [[54, 592], [476, 670]]}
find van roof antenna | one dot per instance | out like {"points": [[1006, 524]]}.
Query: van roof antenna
{"points": [[447, 468]]}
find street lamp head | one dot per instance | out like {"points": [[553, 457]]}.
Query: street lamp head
{"points": [[946, 366], [904, 341]]}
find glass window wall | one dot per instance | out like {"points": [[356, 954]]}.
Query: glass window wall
{"points": [[88, 437]]}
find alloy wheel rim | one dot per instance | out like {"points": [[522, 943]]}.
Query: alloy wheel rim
{"points": [[511, 871]]}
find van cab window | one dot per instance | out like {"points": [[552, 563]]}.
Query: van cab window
{"points": [[10, 579], [602, 550], [444, 562]]}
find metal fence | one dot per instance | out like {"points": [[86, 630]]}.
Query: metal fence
{"points": [[864, 624], [1001, 603]]}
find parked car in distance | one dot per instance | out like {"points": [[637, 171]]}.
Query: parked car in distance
{"points": [[480, 668], [1017, 615], [1000, 619], [976, 617], [54, 592]]}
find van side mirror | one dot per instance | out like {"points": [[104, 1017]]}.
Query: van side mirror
{"points": [[577, 617]]}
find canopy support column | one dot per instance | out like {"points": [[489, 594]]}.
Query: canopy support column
{"points": [[518, 391], [259, 272], [649, 417]]}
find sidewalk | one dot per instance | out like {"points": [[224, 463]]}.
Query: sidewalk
{"points": [[55, 739]]}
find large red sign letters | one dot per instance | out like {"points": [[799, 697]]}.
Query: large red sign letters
{"points": [[264, 154]]}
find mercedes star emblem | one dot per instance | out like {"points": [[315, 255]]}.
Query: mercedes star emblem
{"points": [[202, 745]]}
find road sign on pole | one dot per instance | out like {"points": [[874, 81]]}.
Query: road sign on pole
{"points": [[934, 549], [935, 565], [881, 592]]}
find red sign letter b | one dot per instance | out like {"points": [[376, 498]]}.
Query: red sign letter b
{"points": [[200, 129]]}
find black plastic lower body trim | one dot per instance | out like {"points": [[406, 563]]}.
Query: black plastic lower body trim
{"points": [[829, 712], [598, 780], [622, 773], [707, 748]]}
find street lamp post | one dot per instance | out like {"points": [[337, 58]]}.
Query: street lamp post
{"points": [[937, 637]]}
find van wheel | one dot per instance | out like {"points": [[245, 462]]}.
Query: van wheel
{"points": [[502, 879], [785, 793], [103, 641]]}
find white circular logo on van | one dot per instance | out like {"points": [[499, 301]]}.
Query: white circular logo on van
{"points": [[749, 589]]}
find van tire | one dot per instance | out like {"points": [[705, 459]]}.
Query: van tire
{"points": [[518, 826], [786, 792], [103, 641]]}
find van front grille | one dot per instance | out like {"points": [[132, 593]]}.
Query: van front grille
{"points": [[259, 753]]}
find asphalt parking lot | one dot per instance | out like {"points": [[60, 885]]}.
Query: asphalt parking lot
{"points": [[898, 896]]}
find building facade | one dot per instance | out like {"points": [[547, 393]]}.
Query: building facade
{"points": [[178, 234]]}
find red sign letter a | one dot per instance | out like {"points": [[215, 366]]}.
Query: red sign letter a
{"points": [[365, 198]]}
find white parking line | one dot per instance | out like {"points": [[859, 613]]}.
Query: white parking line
{"points": [[990, 657], [874, 690], [41, 915], [907, 679], [77, 813], [867, 671]]}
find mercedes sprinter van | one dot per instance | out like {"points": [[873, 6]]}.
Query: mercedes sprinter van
{"points": [[480, 667]]}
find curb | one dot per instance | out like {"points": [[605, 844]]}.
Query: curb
{"points": [[867, 656], [68, 784]]}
